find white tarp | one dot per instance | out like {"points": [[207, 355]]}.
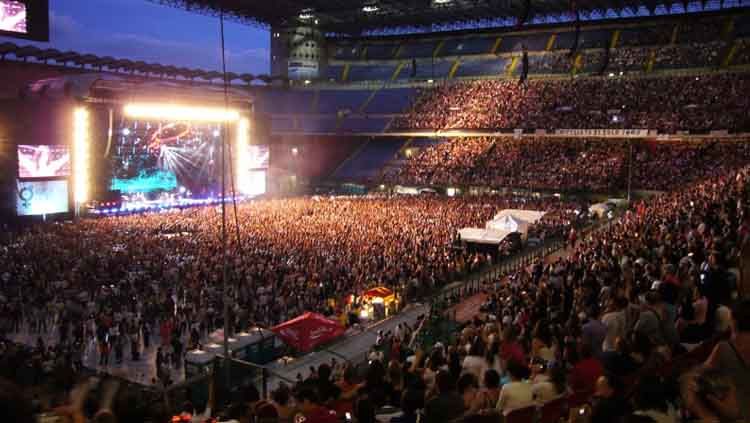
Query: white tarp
{"points": [[505, 222], [531, 216], [600, 209], [514, 220], [483, 236], [508, 223]]}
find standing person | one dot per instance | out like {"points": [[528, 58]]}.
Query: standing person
{"points": [[311, 409], [487, 398], [733, 357], [104, 347], [119, 345], [517, 393], [583, 376], [146, 334], [594, 332], [447, 405], [134, 342], [475, 363], [615, 320], [176, 351]]}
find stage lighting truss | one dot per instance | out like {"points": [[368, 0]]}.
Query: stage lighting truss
{"points": [[180, 113], [81, 155]]}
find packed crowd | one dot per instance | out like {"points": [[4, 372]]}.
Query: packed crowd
{"points": [[628, 59], [690, 55], [666, 104], [635, 323], [599, 165], [742, 54], [112, 286]]}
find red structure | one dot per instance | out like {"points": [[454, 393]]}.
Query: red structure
{"points": [[307, 331]]}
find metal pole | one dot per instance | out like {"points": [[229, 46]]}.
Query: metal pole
{"points": [[225, 285], [630, 169]]}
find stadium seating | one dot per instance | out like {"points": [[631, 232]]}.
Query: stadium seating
{"points": [[380, 51], [592, 164], [335, 72], [347, 52], [645, 36], [393, 100], [532, 42], [368, 162], [550, 63], [363, 124], [692, 55], [333, 101], [284, 102], [467, 46], [742, 26], [742, 53], [426, 70], [629, 59], [374, 72], [418, 49], [667, 104], [483, 67], [318, 125], [282, 125]]}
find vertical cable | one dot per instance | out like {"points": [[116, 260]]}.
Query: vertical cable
{"points": [[225, 290]]}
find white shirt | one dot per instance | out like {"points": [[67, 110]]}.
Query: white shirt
{"points": [[475, 365], [543, 389], [515, 395]]}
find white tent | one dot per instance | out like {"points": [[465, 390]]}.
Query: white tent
{"points": [[600, 209], [514, 220], [508, 223], [483, 236], [531, 216]]}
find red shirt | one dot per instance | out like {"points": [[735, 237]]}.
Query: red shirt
{"points": [[583, 379], [321, 415], [511, 351]]}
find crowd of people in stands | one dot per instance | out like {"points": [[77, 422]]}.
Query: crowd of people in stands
{"points": [[636, 322], [599, 165], [667, 104]]}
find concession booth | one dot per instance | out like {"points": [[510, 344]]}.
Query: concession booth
{"points": [[378, 303]]}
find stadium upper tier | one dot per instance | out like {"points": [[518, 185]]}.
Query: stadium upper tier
{"points": [[667, 103], [428, 82], [626, 45]]}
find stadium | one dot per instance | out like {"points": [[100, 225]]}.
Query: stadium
{"points": [[425, 211]]}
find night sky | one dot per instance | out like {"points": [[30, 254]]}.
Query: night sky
{"points": [[141, 30]]}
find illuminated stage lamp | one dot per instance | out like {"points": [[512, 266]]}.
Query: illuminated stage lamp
{"points": [[81, 155], [180, 113]]}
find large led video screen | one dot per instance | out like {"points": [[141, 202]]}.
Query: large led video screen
{"points": [[160, 156], [25, 19], [13, 16], [43, 161], [41, 197]]}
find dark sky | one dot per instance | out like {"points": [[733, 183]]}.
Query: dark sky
{"points": [[141, 30]]}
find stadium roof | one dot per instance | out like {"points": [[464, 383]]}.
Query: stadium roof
{"points": [[73, 59], [374, 17]]}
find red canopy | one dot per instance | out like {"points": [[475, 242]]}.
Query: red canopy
{"points": [[308, 331]]}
